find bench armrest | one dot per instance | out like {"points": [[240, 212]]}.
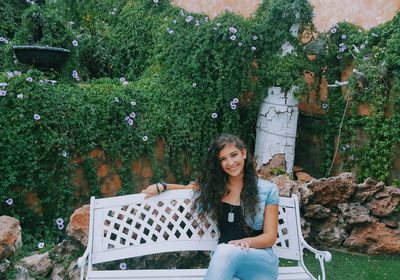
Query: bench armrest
{"points": [[321, 256], [82, 262]]}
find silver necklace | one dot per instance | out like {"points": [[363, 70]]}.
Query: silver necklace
{"points": [[231, 215]]}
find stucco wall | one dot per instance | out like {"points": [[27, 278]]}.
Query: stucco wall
{"points": [[366, 13]]}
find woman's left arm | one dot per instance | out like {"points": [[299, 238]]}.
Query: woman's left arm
{"points": [[270, 229]]}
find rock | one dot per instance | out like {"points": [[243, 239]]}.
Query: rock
{"points": [[78, 227], [39, 263], [375, 238], [68, 247], [4, 265], [73, 271], [303, 177], [332, 233], [368, 189], [285, 185], [386, 202], [10, 236], [316, 211], [22, 273], [332, 191], [305, 228], [355, 213], [57, 272]]}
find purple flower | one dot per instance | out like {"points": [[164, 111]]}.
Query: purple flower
{"points": [[36, 117], [75, 75], [3, 40], [3, 85], [10, 201], [233, 37], [29, 79], [130, 121], [235, 100], [3, 93], [214, 115], [20, 96], [10, 74], [342, 49], [189, 19], [75, 43], [17, 73], [342, 45], [333, 30], [60, 227], [132, 115], [40, 245], [194, 85], [145, 138], [233, 106], [232, 30], [122, 265], [197, 23], [206, 19], [59, 221]]}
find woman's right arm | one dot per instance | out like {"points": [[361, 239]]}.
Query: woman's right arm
{"points": [[157, 188]]}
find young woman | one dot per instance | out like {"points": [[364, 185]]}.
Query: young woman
{"points": [[245, 208]]}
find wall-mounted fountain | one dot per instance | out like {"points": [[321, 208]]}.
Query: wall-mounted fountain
{"points": [[42, 39]]}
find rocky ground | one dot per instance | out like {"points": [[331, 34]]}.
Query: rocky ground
{"points": [[336, 213]]}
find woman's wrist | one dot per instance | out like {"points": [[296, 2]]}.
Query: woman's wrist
{"points": [[164, 186]]}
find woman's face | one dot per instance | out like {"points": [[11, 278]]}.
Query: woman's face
{"points": [[232, 159]]}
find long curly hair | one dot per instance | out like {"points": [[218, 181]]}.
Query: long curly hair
{"points": [[213, 180]]}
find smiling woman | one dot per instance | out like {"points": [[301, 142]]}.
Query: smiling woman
{"points": [[245, 208]]}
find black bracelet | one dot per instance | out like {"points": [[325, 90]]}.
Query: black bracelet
{"points": [[164, 185], [158, 190]]}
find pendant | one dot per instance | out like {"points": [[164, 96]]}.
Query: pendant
{"points": [[231, 217]]}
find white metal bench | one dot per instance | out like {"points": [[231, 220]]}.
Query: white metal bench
{"points": [[131, 226]]}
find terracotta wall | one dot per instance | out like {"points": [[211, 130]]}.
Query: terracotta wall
{"points": [[366, 13]]}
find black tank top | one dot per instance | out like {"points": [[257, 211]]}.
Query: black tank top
{"points": [[235, 230]]}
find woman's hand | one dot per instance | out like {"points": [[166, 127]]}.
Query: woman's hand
{"points": [[244, 243], [152, 190]]}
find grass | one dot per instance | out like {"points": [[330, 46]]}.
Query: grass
{"points": [[358, 267]]}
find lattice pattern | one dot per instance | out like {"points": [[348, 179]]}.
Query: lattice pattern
{"points": [[145, 223], [283, 233]]}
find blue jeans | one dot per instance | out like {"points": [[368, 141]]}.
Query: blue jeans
{"points": [[228, 261]]}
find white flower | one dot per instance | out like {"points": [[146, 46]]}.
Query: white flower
{"points": [[36, 117], [233, 106], [64, 153], [254, 37], [194, 85], [351, 157], [3, 85], [122, 265], [197, 23], [155, 1], [206, 19], [240, 44], [218, 24], [347, 146], [333, 30], [17, 73], [122, 79], [60, 227], [40, 245], [233, 37], [59, 221], [235, 100], [75, 43], [3, 93], [132, 115], [10, 74], [145, 138], [181, 13], [133, 103], [75, 74], [71, 23], [53, 82], [116, 100], [29, 79], [10, 201], [344, 36], [4, 40], [253, 48], [125, 83], [20, 96], [325, 105], [214, 115], [374, 34], [174, 21]]}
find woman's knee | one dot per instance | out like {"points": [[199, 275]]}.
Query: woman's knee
{"points": [[226, 252]]}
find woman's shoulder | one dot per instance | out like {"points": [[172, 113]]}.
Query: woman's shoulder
{"points": [[265, 186]]}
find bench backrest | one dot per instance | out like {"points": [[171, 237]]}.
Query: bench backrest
{"points": [[130, 226]]}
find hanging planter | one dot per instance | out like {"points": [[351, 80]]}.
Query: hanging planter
{"points": [[41, 57]]}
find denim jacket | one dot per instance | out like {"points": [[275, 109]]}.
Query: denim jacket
{"points": [[268, 194]]}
